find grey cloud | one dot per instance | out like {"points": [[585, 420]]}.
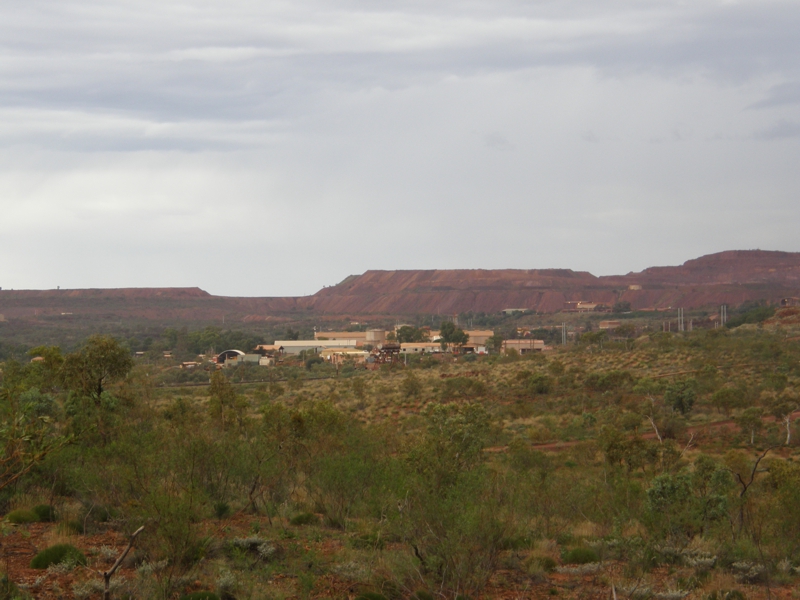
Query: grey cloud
{"points": [[782, 130], [780, 95], [265, 123], [497, 141]]}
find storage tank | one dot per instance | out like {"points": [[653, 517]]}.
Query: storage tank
{"points": [[375, 336]]}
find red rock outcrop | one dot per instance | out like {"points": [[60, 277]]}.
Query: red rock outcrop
{"points": [[727, 277]]}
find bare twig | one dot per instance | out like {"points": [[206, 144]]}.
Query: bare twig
{"points": [[108, 574], [689, 445]]}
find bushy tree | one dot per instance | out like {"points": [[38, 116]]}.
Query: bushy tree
{"points": [[680, 395], [452, 335], [101, 361], [408, 334]]}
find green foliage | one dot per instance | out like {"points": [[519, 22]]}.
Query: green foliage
{"points": [[222, 510], [751, 422], [35, 403], [22, 516], [581, 556], [200, 596], [495, 343], [728, 398], [408, 334], [603, 382], [547, 564], [54, 555], [463, 387], [226, 407], [44, 513], [759, 314], [452, 335], [681, 395], [594, 337], [101, 361], [305, 518], [622, 306], [682, 505], [538, 383], [411, 386], [10, 591], [371, 596]]}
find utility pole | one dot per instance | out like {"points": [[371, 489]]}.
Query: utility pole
{"points": [[563, 334]]}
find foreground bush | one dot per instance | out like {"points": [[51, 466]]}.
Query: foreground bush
{"points": [[581, 556], [44, 513], [304, 519], [200, 596], [22, 515], [58, 554]]}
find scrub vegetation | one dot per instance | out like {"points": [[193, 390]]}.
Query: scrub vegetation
{"points": [[663, 466]]}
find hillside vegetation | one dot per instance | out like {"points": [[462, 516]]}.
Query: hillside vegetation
{"points": [[662, 467]]}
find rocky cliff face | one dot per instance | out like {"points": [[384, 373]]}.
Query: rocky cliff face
{"points": [[727, 277]]}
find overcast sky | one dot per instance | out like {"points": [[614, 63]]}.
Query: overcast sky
{"points": [[269, 148]]}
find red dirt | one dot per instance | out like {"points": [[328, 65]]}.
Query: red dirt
{"points": [[727, 277]]}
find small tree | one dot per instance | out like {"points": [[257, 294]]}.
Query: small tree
{"points": [[750, 422], [783, 410], [621, 307], [495, 342], [101, 361], [225, 405], [452, 335], [680, 395], [728, 398]]}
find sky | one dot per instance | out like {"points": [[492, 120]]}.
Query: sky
{"points": [[264, 148]]}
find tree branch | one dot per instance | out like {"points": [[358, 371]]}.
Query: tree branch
{"points": [[108, 574]]}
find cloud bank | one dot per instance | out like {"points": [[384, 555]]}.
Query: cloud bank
{"points": [[270, 148]]}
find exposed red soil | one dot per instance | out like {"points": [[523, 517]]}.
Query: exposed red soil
{"points": [[22, 543], [727, 277]]}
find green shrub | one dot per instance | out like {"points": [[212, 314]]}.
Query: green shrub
{"points": [[75, 526], [200, 596], [371, 596], [304, 519], [45, 513], [538, 384], [22, 515], [581, 556], [368, 541], [547, 564], [463, 387], [58, 554], [222, 510], [9, 590], [422, 595]]}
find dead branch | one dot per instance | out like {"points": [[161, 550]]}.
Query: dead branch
{"points": [[653, 423], [108, 574]]}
